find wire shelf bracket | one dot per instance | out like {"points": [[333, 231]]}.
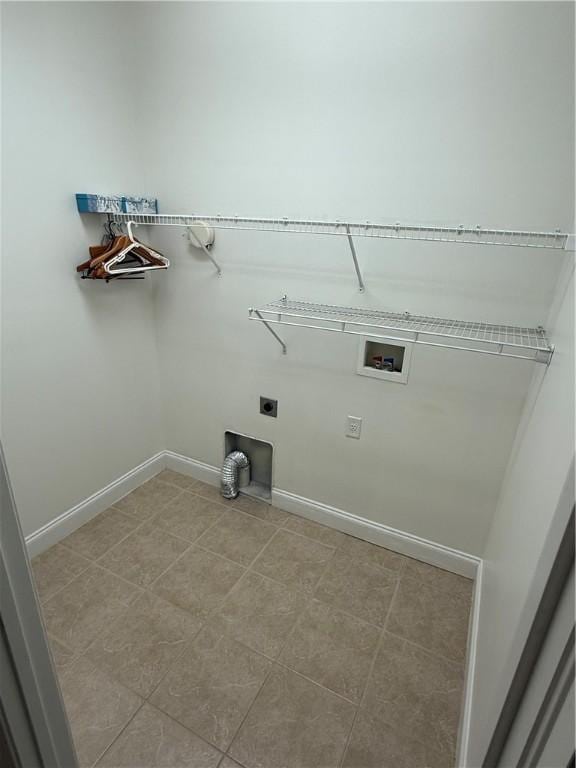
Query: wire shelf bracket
{"points": [[355, 260], [484, 338], [192, 234], [269, 327]]}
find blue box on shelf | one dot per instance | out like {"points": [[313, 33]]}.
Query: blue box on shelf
{"points": [[89, 203], [139, 205], [99, 203]]}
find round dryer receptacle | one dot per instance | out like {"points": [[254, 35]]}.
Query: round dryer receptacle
{"points": [[201, 235]]}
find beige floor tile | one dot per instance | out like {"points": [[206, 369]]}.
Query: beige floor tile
{"points": [[80, 611], [238, 537], [198, 581], [227, 762], [148, 499], [294, 560], [315, 531], [259, 613], [418, 692], [374, 744], [62, 655], [140, 646], [360, 589], [431, 618], [188, 516], [143, 555], [369, 554], [184, 482], [439, 578], [211, 687], [210, 492], [333, 649], [98, 708], [55, 568], [154, 740], [96, 537], [294, 724], [259, 509]]}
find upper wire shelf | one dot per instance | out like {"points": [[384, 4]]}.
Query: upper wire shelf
{"points": [[486, 338], [457, 234]]}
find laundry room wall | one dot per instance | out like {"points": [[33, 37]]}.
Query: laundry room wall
{"points": [[531, 492], [424, 113], [80, 391]]}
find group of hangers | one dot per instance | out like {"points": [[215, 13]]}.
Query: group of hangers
{"points": [[121, 257]]}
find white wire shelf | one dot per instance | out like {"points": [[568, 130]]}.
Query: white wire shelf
{"points": [[486, 338], [450, 234]]}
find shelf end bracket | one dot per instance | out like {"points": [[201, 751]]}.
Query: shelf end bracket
{"points": [[272, 331], [206, 251], [361, 287]]}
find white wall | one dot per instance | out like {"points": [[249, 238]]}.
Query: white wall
{"points": [[80, 384], [417, 112], [456, 112], [531, 491]]}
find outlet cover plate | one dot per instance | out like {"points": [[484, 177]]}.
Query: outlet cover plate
{"points": [[354, 427]]}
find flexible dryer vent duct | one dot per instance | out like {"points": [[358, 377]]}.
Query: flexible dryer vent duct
{"points": [[233, 463]]}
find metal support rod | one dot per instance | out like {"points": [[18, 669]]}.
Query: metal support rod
{"points": [[272, 331], [206, 251], [355, 260]]}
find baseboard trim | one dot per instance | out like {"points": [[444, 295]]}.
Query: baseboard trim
{"points": [[196, 469], [81, 513], [377, 533], [473, 631]]}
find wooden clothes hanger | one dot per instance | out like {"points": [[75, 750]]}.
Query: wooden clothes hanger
{"points": [[124, 250]]}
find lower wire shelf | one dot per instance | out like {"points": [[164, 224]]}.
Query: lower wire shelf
{"points": [[485, 338]]}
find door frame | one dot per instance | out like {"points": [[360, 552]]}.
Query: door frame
{"points": [[544, 647], [35, 728]]}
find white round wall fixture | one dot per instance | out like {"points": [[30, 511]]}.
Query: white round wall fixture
{"points": [[202, 232]]}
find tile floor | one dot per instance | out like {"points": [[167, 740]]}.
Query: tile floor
{"points": [[191, 631]]}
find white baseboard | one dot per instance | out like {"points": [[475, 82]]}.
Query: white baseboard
{"points": [[73, 518], [196, 469], [473, 630], [377, 533]]}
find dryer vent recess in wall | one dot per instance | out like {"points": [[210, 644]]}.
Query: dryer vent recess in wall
{"points": [[260, 455]]}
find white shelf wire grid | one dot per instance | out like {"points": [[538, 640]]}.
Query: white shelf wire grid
{"points": [[486, 338], [456, 234]]}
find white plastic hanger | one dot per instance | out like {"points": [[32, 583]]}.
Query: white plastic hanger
{"points": [[144, 267]]}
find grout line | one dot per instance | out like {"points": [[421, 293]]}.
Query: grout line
{"points": [[169, 669], [304, 593], [95, 560], [284, 666], [370, 672], [114, 740], [250, 708], [47, 599], [434, 654], [309, 538]]}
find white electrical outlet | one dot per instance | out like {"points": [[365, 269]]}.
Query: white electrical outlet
{"points": [[353, 427]]}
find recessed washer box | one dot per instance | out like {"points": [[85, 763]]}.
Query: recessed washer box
{"points": [[386, 360]]}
